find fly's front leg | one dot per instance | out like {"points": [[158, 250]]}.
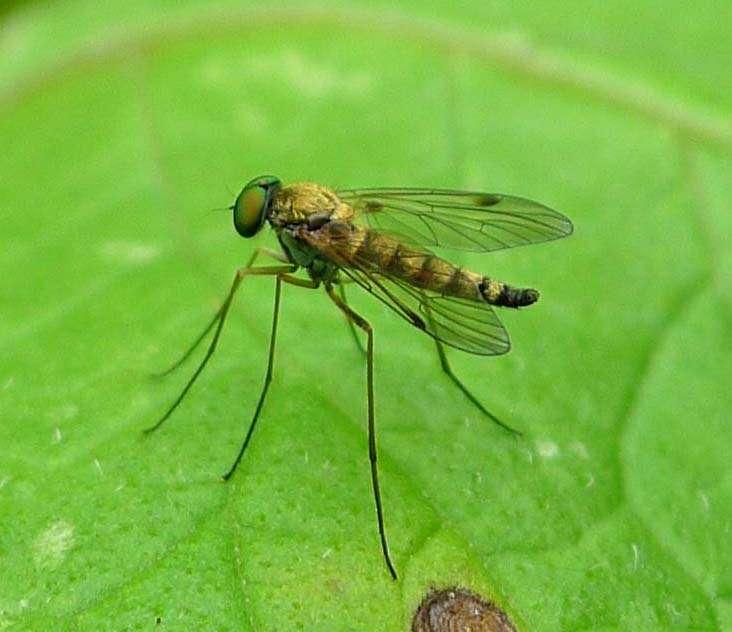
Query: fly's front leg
{"points": [[187, 354], [277, 255], [365, 326], [286, 278], [219, 321]]}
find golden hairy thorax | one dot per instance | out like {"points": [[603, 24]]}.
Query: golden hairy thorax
{"points": [[296, 202]]}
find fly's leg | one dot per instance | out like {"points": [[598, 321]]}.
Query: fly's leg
{"points": [[456, 380], [278, 256], [365, 326], [270, 362], [219, 321], [351, 326], [187, 354]]}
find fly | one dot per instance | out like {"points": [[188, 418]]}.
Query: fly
{"points": [[381, 240]]}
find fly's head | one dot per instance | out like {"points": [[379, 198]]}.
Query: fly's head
{"points": [[252, 205]]}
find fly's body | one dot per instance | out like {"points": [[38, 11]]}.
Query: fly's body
{"points": [[351, 244], [305, 212], [381, 240]]}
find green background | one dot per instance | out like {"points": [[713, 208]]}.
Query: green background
{"points": [[120, 127]]}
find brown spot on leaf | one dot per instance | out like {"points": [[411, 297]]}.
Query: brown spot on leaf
{"points": [[459, 610]]}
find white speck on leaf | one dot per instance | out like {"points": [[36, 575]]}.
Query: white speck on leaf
{"points": [[8, 383], [129, 252], [547, 449], [704, 500], [590, 481], [636, 556], [3, 481], [57, 435], [51, 546], [98, 465]]}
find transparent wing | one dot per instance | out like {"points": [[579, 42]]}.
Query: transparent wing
{"points": [[470, 326], [465, 325], [462, 220]]}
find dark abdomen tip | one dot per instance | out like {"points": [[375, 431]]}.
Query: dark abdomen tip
{"points": [[517, 297], [527, 297]]}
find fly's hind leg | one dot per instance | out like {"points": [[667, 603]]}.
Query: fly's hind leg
{"points": [[365, 326], [219, 320], [458, 382]]}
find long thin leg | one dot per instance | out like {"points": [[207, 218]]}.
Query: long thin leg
{"points": [[187, 354], [270, 363], [192, 348], [349, 320], [363, 324], [238, 277], [456, 380]]}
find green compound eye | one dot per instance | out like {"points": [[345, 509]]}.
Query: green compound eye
{"points": [[250, 208]]}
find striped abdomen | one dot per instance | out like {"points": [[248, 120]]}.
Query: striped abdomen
{"points": [[361, 247]]}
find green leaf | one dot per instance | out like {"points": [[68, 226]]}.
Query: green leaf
{"points": [[121, 125]]}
